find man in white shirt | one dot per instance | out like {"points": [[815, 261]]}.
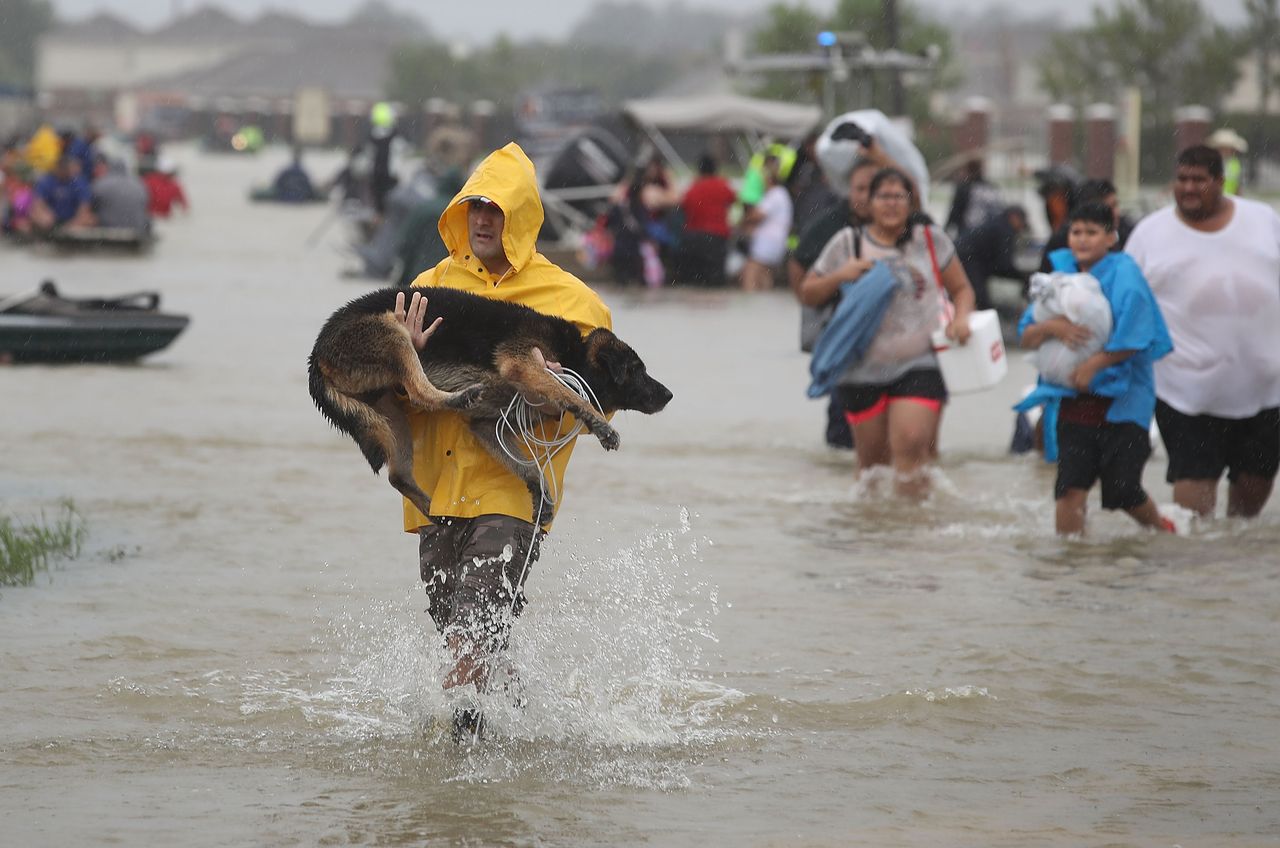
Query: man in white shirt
{"points": [[1213, 262]]}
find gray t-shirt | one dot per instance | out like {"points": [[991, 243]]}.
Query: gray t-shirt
{"points": [[902, 343], [120, 200]]}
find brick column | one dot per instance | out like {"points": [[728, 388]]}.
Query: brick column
{"points": [[1191, 126], [1100, 141], [974, 129], [1062, 129]]}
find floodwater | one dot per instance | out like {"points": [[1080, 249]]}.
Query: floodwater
{"points": [[728, 643]]}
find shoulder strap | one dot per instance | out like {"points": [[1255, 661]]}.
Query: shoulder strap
{"points": [[948, 308], [857, 242]]}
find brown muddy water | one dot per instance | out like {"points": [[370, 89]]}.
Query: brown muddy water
{"points": [[727, 643]]}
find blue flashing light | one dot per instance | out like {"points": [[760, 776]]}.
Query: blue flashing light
{"points": [[826, 38]]}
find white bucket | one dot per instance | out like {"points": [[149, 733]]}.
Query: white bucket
{"points": [[977, 364]]}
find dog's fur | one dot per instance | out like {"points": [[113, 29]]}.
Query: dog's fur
{"points": [[479, 357]]}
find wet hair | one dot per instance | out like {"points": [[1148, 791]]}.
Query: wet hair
{"points": [[1093, 213], [885, 175], [1092, 191], [1202, 156], [707, 165]]}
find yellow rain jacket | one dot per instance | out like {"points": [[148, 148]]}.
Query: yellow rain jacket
{"points": [[459, 475], [43, 149]]}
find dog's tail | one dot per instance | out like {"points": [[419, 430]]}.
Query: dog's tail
{"points": [[351, 415]]}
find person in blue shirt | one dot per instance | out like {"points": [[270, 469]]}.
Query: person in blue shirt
{"points": [[62, 197], [84, 148], [1105, 414]]}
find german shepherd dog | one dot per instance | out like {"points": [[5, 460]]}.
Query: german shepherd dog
{"points": [[475, 362]]}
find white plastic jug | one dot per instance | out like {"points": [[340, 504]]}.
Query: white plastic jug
{"points": [[979, 363]]}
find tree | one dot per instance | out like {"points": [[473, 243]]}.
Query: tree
{"points": [[794, 29], [22, 22], [642, 28], [789, 29], [1172, 49], [502, 71]]}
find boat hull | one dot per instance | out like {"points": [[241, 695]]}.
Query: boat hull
{"points": [[96, 338]]}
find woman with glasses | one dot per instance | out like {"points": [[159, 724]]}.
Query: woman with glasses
{"points": [[893, 395]]}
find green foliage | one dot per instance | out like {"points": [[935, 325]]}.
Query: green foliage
{"points": [[28, 548], [22, 22], [503, 70], [1172, 49], [644, 29], [789, 29], [1262, 35], [793, 28]]}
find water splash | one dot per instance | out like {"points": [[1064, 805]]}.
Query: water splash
{"points": [[606, 655]]}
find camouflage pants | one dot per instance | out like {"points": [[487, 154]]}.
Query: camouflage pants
{"points": [[472, 569]]}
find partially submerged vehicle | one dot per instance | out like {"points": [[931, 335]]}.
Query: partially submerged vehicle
{"points": [[45, 326]]}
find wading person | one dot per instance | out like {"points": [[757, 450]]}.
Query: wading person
{"points": [[1214, 265], [769, 221], [474, 546], [893, 396], [1103, 425]]}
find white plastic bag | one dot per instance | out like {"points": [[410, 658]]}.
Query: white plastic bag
{"points": [[1079, 298], [837, 156]]}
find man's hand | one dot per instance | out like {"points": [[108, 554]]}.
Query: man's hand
{"points": [[538, 403], [543, 362], [414, 317]]}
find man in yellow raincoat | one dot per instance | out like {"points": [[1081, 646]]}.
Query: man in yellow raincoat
{"points": [[474, 546]]}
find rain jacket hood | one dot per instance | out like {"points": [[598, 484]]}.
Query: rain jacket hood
{"points": [[507, 178], [462, 479]]}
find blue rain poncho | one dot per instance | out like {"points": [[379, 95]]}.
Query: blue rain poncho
{"points": [[1137, 325]]}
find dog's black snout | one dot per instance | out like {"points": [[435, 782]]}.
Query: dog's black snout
{"points": [[659, 397]]}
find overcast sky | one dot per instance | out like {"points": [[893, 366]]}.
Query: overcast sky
{"points": [[527, 18]]}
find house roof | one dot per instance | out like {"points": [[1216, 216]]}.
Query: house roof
{"points": [[347, 67], [99, 28], [207, 23]]}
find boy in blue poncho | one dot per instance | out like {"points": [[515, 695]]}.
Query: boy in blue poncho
{"points": [[1105, 415]]}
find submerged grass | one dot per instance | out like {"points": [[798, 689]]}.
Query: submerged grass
{"points": [[26, 549]]}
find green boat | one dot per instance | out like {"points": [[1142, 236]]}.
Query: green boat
{"points": [[44, 326]]}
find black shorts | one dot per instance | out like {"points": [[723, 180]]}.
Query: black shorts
{"points": [[1201, 446], [1116, 453], [862, 403]]}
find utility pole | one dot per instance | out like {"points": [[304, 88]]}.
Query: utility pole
{"points": [[897, 95]]}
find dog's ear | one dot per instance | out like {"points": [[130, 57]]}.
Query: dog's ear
{"points": [[614, 358]]}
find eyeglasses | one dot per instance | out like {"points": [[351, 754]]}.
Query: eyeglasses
{"points": [[889, 197]]}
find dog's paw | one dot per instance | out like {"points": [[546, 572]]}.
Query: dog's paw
{"points": [[466, 398], [609, 438]]}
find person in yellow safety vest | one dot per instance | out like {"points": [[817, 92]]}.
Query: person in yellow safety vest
{"points": [[43, 149], [1230, 144], [753, 180]]}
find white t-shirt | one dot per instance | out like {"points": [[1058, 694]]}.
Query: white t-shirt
{"points": [[1220, 297], [769, 239]]}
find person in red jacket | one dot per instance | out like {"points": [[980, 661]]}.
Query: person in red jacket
{"points": [[704, 243], [163, 189]]}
